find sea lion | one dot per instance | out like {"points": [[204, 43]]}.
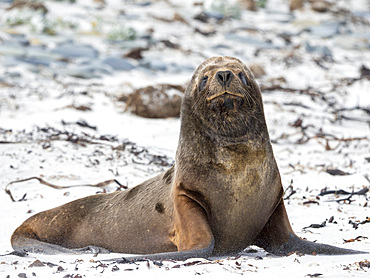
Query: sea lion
{"points": [[222, 194]]}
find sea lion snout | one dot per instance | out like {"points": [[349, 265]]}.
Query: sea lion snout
{"points": [[226, 103], [224, 78]]}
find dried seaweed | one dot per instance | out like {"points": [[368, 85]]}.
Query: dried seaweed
{"points": [[354, 239], [311, 202], [362, 192], [37, 263], [343, 192], [45, 135], [355, 225], [363, 264], [336, 172], [80, 123], [291, 191], [314, 275], [317, 134], [48, 134], [316, 226]]}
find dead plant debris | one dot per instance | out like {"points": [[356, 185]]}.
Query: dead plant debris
{"points": [[316, 226], [356, 224], [42, 181], [354, 239], [349, 200]]}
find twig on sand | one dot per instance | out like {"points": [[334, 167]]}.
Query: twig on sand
{"points": [[100, 185], [362, 192], [291, 189]]}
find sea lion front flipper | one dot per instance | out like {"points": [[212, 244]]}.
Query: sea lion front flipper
{"points": [[192, 230], [278, 238]]}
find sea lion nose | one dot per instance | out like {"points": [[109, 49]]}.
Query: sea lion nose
{"points": [[224, 77]]}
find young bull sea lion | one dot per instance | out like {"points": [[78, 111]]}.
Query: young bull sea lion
{"points": [[223, 193]]}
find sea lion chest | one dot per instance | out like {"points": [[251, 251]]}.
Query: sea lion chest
{"points": [[237, 185]]}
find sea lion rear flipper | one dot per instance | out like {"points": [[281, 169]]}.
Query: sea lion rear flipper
{"points": [[29, 245], [278, 238], [26, 245]]}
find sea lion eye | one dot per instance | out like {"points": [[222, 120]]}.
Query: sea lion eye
{"points": [[243, 79], [203, 82]]}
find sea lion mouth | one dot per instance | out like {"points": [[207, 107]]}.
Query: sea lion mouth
{"points": [[224, 93], [225, 102]]}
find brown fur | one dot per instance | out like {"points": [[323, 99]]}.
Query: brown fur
{"points": [[223, 193]]}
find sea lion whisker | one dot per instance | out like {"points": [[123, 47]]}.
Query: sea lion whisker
{"points": [[196, 104], [250, 96]]}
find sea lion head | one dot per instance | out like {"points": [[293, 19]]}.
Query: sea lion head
{"points": [[223, 96]]}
